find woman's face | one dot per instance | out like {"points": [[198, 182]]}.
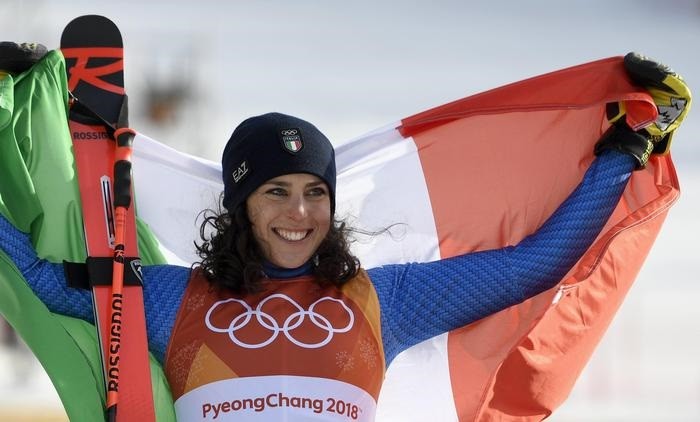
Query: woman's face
{"points": [[291, 215]]}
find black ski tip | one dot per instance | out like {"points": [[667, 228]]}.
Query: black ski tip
{"points": [[92, 45], [103, 32]]}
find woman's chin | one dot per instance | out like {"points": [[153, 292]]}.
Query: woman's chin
{"points": [[290, 263]]}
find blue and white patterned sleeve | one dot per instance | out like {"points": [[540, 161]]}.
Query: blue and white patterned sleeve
{"points": [[421, 300], [164, 287]]}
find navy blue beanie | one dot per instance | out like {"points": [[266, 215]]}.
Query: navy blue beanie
{"points": [[271, 145]]}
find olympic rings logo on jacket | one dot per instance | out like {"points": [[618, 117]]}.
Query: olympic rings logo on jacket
{"points": [[290, 324]]}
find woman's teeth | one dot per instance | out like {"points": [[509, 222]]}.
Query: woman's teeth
{"points": [[292, 235]]}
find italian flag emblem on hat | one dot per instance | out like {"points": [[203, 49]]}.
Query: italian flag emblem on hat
{"points": [[291, 140]]}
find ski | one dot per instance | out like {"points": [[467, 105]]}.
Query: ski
{"points": [[93, 49]]}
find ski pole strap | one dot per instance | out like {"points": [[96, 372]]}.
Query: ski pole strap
{"points": [[97, 271], [82, 113]]}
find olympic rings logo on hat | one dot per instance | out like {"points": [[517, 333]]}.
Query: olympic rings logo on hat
{"points": [[289, 132], [287, 327]]}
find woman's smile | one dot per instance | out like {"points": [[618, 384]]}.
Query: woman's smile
{"points": [[292, 235]]}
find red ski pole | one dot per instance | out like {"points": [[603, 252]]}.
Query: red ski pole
{"points": [[122, 201]]}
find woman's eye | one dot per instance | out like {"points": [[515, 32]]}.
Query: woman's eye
{"points": [[316, 192], [277, 192]]}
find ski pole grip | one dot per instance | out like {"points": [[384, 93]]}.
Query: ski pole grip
{"points": [[125, 138], [122, 167]]}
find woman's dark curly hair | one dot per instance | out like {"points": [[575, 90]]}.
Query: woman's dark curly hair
{"points": [[232, 258]]}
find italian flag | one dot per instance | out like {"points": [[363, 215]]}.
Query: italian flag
{"points": [[475, 174]]}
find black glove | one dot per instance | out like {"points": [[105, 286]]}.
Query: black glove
{"points": [[621, 138], [16, 58], [670, 93]]}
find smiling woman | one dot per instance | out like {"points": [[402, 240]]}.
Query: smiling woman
{"points": [[279, 204]]}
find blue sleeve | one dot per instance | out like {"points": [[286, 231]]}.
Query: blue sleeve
{"points": [[45, 278], [421, 300], [164, 286], [163, 289]]}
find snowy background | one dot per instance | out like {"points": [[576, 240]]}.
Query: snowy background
{"points": [[195, 69]]}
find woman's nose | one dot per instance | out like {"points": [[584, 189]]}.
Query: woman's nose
{"points": [[297, 208]]}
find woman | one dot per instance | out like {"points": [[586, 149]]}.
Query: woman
{"points": [[280, 321]]}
